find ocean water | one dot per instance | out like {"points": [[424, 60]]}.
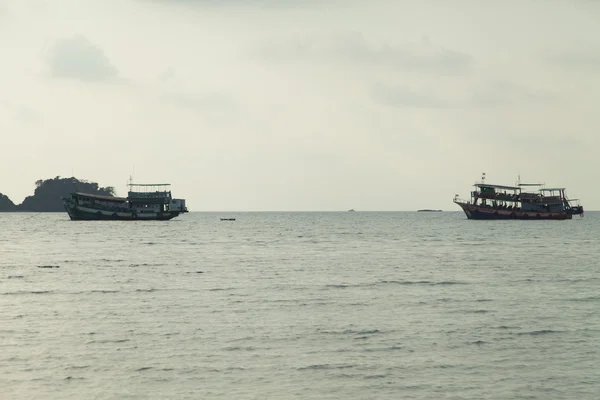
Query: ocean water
{"points": [[362, 305]]}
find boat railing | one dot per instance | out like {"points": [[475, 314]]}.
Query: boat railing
{"points": [[497, 196], [552, 200], [104, 207], [530, 196]]}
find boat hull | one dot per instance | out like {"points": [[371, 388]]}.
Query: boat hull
{"points": [[77, 213], [488, 213]]}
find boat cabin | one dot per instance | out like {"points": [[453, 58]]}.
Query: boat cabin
{"points": [[154, 198]]}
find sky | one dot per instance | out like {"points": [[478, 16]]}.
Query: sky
{"points": [[305, 105]]}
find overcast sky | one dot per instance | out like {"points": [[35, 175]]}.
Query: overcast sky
{"points": [[301, 105]]}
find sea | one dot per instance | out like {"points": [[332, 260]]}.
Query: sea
{"points": [[299, 305]]}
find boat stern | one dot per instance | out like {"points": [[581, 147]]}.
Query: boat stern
{"points": [[577, 210], [178, 205]]}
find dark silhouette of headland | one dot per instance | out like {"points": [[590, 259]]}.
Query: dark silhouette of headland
{"points": [[48, 193]]}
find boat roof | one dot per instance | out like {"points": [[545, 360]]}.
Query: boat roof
{"points": [[101, 197], [149, 184], [551, 189], [485, 185]]}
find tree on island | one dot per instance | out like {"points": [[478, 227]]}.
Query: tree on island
{"points": [[48, 193]]}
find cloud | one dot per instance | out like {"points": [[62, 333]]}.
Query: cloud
{"points": [[493, 94], [180, 94], [24, 114], [423, 56], [578, 59], [77, 58], [199, 100], [167, 75], [403, 96], [503, 93], [248, 3]]}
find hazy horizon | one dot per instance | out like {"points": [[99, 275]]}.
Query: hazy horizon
{"points": [[268, 105]]}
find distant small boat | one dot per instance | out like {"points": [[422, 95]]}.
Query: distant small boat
{"points": [[351, 210], [227, 219]]}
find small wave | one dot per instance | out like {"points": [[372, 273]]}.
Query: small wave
{"points": [[241, 339], [16, 277], [143, 369], [235, 369], [104, 291], [366, 332], [108, 341], [383, 349], [48, 266], [576, 280], [239, 348], [394, 282], [379, 376], [591, 298], [325, 366], [25, 292], [78, 367], [477, 342], [537, 333], [351, 332], [146, 265], [430, 283], [146, 290]]}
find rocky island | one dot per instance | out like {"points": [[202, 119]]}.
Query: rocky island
{"points": [[48, 193]]}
